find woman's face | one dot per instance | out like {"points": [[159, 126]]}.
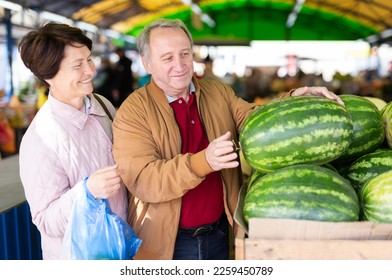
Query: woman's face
{"points": [[73, 81]]}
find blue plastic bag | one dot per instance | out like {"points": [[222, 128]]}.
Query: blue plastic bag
{"points": [[94, 232]]}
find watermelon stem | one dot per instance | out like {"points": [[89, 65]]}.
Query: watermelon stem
{"points": [[237, 147]]}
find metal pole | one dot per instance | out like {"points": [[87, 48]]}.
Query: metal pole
{"points": [[10, 45]]}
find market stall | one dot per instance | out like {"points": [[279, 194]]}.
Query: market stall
{"points": [[19, 238]]}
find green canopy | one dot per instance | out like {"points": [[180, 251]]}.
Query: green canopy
{"points": [[244, 21], [240, 21], [236, 21]]}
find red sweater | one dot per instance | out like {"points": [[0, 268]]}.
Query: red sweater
{"points": [[203, 204]]}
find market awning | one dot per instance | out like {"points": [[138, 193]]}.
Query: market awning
{"points": [[236, 21]]}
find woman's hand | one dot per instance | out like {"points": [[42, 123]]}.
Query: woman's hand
{"points": [[105, 182], [320, 91]]}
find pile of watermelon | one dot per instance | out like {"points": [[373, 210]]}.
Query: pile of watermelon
{"points": [[314, 159]]}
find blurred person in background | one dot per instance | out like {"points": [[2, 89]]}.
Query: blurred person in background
{"points": [[68, 145], [208, 69], [257, 86], [123, 78], [103, 81], [174, 136]]}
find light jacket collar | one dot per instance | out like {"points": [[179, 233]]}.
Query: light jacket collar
{"points": [[71, 114]]}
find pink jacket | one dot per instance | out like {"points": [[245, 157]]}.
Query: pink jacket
{"points": [[59, 149]]}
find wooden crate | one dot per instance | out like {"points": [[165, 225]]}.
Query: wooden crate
{"points": [[289, 249]]}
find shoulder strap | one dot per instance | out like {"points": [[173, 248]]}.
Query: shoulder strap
{"points": [[103, 106]]}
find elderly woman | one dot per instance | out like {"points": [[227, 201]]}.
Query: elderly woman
{"points": [[68, 145]]}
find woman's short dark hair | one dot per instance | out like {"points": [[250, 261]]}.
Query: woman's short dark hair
{"points": [[42, 50]]}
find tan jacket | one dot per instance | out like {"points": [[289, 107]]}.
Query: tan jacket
{"points": [[147, 144]]}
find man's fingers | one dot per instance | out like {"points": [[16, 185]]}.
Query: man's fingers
{"points": [[223, 137]]}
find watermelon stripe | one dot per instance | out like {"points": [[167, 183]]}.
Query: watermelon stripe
{"points": [[376, 198], [302, 129], [322, 153], [368, 166], [368, 130], [283, 109], [306, 200], [295, 210], [386, 114], [302, 192]]}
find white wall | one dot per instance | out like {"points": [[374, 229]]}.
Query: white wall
{"points": [[347, 57]]}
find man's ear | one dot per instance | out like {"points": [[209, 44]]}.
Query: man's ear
{"points": [[146, 65]]}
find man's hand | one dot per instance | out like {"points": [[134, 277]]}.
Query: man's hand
{"points": [[321, 91], [220, 153]]}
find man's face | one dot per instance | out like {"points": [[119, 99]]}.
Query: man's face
{"points": [[171, 60]]}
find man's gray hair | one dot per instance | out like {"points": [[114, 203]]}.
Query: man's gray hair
{"points": [[143, 40]]}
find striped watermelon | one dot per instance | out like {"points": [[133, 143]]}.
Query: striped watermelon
{"points": [[330, 166], [386, 114], [255, 175], [380, 103], [304, 191], [295, 130], [369, 166], [376, 198], [368, 130]]}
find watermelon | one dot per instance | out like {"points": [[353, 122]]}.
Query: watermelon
{"points": [[369, 166], [304, 191], [255, 175], [376, 198], [245, 168], [380, 103], [330, 166], [295, 130], [368, 130], [386, 115]]}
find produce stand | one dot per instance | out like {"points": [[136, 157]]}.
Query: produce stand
{"points": [[18, 116], [288, 239]]}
